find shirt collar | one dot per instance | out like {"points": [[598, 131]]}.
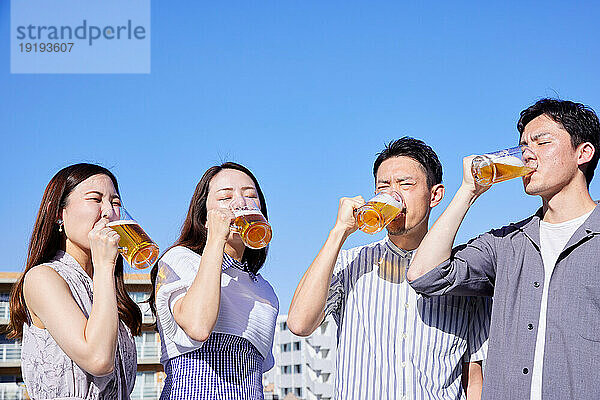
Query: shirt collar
{"points": [[230, 262], [397, 250]]}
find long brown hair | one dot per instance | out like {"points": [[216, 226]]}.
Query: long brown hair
{"points": [[193, 232], [46, 240]]}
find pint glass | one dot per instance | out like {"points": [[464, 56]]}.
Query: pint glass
{"points": [[250, 224], [135, 244], [499, 166], [375, 214]]}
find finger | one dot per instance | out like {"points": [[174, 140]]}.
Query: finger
{"points": [[101, 223]]}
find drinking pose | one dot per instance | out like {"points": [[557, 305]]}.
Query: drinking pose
{"points": [[543, 271], [70, 307], [392, 343], [215, 313]]}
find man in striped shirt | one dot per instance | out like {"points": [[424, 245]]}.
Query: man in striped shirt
{"points": [[392, 342]]}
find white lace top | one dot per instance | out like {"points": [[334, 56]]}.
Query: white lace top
{"points": [[50, 374]]}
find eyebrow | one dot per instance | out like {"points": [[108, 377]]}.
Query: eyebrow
{"points": [[400, 179], [534, 137], [114, 196], [243, 188]]}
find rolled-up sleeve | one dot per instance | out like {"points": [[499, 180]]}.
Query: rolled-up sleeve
{"points": [[335, 295], [170, 288], [470, 271]]}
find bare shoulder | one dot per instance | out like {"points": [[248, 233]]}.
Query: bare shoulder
{"points": [[42, 279]]}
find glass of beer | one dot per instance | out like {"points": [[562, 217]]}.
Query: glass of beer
{"points": [[135, 244], [250, 224], [376, 213], [499, 166]]}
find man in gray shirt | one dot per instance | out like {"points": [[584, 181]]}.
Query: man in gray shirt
{"points": [[543, 272]]}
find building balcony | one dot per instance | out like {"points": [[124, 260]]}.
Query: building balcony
{"points": [[10, 355], [12, 391], [325, 341], [148, 353], [324, 365], [145, 392], [320, 389]]}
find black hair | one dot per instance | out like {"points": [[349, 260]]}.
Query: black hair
{"points": [[418, 151], [579, 120]]}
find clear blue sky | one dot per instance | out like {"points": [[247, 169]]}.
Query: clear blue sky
{"points": [[303, 93]]}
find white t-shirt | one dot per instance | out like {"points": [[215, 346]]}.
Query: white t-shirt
{"points": [[248, 306], [553, 239]]}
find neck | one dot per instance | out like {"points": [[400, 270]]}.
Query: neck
{"points": [[80, 255], [570, 202], [412, 239], [235, 250]]}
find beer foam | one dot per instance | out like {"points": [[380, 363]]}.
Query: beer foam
{"points": [[122, 222], [509, 160], [239, 213]]}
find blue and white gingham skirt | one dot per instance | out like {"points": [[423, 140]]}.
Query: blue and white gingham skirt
{"points": [[225, 367]]}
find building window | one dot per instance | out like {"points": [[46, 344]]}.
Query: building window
{"points": [[283, 326], [286, 369], [298, 392], [296, 345], [286, 391], [297, 369], [286, 347]]}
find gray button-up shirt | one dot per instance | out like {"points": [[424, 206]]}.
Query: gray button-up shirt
{"points": [[507, 264]]}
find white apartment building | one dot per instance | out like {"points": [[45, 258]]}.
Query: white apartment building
{"points": [[304, 367]]}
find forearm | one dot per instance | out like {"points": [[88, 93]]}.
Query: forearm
{"points": [[436, 246], [198, 310], [308, 303], [473, 380], [101, 329]]}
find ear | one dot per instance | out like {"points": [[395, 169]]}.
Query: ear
{"points": [[437, 194], [585, 152]]}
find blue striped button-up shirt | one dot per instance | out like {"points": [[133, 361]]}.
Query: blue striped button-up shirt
{"points": [[394, 343]]}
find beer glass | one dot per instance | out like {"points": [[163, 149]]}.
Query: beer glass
{"points": [[250, 224], [135, 244], [499, 166], [376, 213]]}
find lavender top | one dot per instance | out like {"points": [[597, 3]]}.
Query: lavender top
{"points": [[50, 374]]}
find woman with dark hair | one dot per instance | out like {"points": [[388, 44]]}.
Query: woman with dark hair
{"points": [[215, 314], [75, 346]]}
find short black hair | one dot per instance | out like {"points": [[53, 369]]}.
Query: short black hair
{"points": [[578, 119], [418, 151]]}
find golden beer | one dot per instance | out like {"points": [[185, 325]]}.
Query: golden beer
{"points": [[375, 214], [135, 244], [487, 171], [252, 227]]}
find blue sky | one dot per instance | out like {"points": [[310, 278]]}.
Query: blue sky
{"points": [[304, 94]]}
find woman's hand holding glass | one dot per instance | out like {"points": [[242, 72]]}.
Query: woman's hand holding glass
{"points": [[218, 223], [104, 245]]}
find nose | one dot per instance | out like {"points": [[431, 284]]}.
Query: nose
{"points": [[111, 212], [527, 155]]}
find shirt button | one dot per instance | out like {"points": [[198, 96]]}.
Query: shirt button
{"points": [[525, 371], [536, 284], [406, 305], [403, 364], [404, 336], [530, 327]]}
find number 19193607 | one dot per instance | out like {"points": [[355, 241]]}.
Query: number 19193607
{"points": [[46, 47]]}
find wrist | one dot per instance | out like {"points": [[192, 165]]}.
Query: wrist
{"points": [[467, 194], [339, 233]]}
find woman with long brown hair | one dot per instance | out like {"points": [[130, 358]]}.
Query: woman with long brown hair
{"points": [[215, 313], [70, 307]]}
